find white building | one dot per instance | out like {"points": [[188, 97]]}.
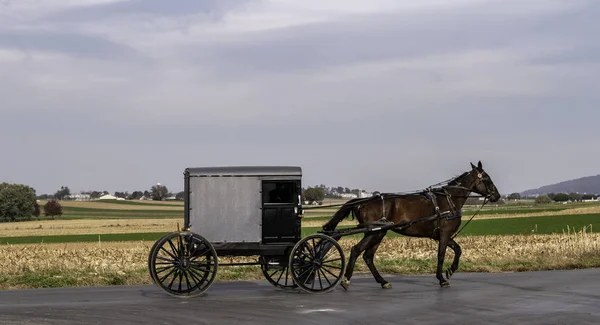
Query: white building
{"points": [[78, 197], [365, 194], [110, 197]]}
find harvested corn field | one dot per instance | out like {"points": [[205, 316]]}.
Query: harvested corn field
{"points": [[87, 226], [84, 264]]}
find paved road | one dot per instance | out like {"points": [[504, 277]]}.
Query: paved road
{"points": [[558, 297]]}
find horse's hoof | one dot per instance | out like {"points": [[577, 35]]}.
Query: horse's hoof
{"points": [[445, 284], [345, 284], [386, 285], [449, 273]]}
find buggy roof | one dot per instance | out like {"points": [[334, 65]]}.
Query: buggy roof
{"points": [[244, 171]]}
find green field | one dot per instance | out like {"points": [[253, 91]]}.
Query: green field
{"points": [[505, 226], [544, 225]]}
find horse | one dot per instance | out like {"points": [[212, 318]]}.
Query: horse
{"points": [[412, 210]]}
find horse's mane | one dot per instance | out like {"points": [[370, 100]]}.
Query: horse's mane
{"points": [[456, 179], [435, 188]]}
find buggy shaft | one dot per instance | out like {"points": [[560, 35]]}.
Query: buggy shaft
{"points": [[367, 229]]}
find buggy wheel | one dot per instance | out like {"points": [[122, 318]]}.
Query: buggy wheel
{"points": [[276, 271], [317, 263], [183, 264]]}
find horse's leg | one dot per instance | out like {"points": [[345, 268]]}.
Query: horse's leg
{"points": [[354, 253], [457, 252], [443, 242], [369, 255]]}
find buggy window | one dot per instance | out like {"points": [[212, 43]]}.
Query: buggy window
{"points": [[279, 192]]}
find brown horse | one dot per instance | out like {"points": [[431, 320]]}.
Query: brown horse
{"points": [[443, 203]]}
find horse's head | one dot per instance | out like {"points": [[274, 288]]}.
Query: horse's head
{"points": [[483, 184]]}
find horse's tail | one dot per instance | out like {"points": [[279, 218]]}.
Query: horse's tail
{"points": [[340, 215]]}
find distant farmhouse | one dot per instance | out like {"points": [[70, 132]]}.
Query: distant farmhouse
{"points": [[78, 197], [110, 197], [362, 194]]}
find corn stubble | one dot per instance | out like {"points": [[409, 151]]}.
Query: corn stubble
{"points": [[83, 264]]}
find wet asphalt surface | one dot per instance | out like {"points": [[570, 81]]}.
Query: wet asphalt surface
{"points": [[554, 297]]}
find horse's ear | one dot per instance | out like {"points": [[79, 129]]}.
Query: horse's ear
{"points": [[472, 166], [479, 165]]}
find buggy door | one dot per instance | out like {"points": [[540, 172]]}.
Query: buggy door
{"points": [[280, 221]]}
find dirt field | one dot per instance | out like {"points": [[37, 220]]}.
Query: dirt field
{"points": [[84, 226]]}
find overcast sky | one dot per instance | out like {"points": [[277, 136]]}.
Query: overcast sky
{"points": [[381, 95]]}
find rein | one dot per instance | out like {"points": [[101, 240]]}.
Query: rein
{"points": [[477, 212]]}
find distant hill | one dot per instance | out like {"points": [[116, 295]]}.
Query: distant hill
{"points": [[589, 185]]}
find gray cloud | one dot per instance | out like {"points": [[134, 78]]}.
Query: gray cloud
{"points": [[159, 8], [390, 36], [68, 43], [386, 102]]}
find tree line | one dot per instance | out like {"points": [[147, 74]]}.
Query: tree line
{"points": [[18, 202], [564, 197], [156, 192]]}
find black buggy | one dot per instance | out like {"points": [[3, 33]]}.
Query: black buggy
{"points": [[244, 211]]}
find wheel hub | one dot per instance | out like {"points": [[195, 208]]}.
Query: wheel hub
{"points": [[184, 263]]}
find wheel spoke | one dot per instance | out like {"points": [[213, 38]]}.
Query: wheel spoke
{"points": [[332, 266], [196, 278], [312, 269], [168, 274], [168, 253], [331, 252], [319, 275], [325, 276], [197, 256], [162, 269], [337, 259], [175, 250], [307, 269], [173, 279], [159, 257], [180, 279], [187, 280], [279, 278], [325, 269]]}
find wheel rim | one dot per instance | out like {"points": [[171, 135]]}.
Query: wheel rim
{"points": [[278, 275], [183, 264], [317, 263], [150, 255]]}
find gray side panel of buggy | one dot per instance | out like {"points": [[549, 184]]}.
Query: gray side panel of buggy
{"points": [[226, 209]]}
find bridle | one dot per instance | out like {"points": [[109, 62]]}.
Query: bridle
{"points": [[473, 188], [485, 185]]}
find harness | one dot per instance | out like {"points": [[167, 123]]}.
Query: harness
{"points": [[383, 219], [429, 194], [453, 213]]}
